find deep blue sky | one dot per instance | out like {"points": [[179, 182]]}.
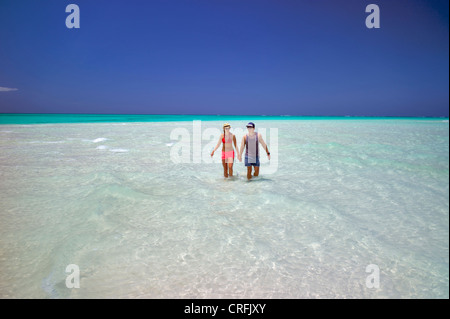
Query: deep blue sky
{"points": [[225, 57]]}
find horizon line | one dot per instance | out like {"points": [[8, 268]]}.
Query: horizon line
{"points": [[246, 115]]}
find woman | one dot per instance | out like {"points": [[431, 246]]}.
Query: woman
{"points": [[227, 139]]}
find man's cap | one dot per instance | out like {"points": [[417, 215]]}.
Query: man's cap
{"points": [[251, 124]]}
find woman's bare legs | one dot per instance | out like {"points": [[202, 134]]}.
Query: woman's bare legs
{"points": [[225, 168], [230, 169]]}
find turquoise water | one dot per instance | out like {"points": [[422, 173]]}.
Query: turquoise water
{"points": [[337, 196], [15, 118]]}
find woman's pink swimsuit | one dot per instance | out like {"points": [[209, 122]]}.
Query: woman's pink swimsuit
{"points": [[228, 154]]}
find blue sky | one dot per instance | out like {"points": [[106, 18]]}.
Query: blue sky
{"points": [[243, 57]]}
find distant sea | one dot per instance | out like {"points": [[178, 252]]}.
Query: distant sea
{"points": [[18, 118], [356, 208]]}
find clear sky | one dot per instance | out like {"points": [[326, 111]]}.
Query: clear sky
{"points": [[243, 57]]}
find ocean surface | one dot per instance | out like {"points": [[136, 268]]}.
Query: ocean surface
{"points": [[345, 208]]}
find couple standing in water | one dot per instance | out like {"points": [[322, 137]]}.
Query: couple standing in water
{"points": [[249, 142]]}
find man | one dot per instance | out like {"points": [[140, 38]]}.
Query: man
{"points": [[250, 141]]}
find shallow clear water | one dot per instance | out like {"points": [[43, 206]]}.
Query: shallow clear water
{"points": [[107, 197]]}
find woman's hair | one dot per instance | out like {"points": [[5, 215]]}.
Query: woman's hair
{"points": [[224, 126]]}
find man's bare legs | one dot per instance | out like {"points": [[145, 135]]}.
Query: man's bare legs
{"points": [[249, 172]]}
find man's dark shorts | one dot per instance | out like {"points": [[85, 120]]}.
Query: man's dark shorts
{"points": [[252, 161]]}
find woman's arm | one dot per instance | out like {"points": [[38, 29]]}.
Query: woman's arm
{"points": [[218, 144], [235, 144]]}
